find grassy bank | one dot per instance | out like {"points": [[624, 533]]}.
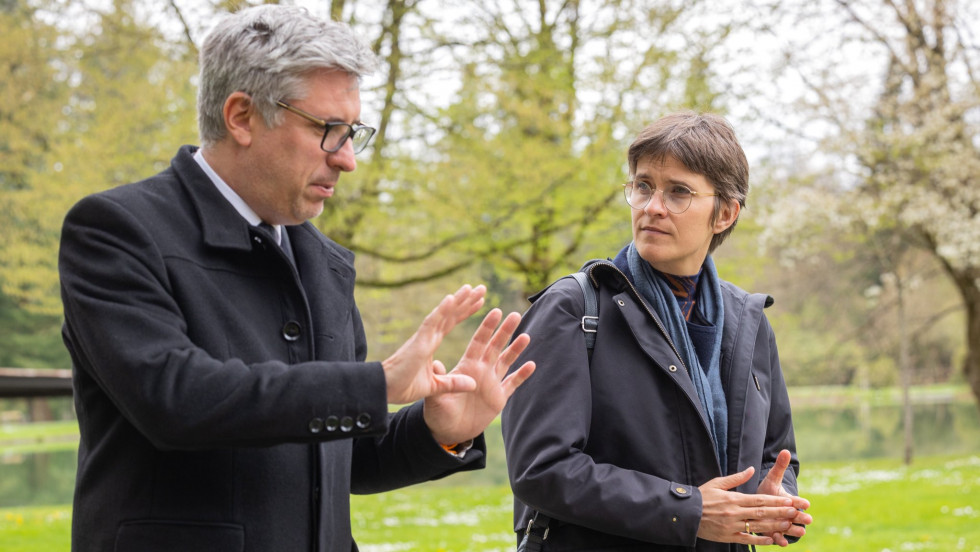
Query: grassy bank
{"points": [[849, 442], [36, 529], [38, 436], [871, 506]]}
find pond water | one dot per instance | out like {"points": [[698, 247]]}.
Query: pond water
{"points": [[823, 433], [855, 432], [39, 478]]}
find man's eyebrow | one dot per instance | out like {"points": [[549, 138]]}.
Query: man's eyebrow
{"points": [[356, 121]]}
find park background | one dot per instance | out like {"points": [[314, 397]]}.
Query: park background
{"points": [[499, 159]]}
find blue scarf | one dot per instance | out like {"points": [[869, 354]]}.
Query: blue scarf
{"points": [[709, 307]]}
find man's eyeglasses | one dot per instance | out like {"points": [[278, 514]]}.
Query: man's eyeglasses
{"points": [[677, 198], [335, 134]]}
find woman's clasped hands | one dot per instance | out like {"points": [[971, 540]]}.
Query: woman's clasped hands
{"points": [[764, 518]]}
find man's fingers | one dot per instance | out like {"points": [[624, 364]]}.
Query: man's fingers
{"points": [[514, 350], [438, 368], [489, 340], [452, 383], [468, 301], [452, 310], [441, 319], [501, 339], [506, 330], [486, 334], [516, 378], [477, 346]]}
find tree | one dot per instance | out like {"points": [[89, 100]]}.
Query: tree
{"points": [[904, 144], [922, 155], [33, 90], [519, 172], [83, 107], [33, 93], [509, 168]]}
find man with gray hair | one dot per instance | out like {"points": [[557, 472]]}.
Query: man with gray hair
{"points": [[223, 397]]}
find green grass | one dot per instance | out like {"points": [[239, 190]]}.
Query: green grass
{"points": [[38, 436], [35, 529], [868, 506], [435, 518], [882, 505]]}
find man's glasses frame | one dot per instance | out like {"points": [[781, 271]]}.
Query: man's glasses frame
{"points": [[335, 134]]}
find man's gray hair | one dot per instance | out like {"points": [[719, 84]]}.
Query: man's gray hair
{"points": [[267, 52]]}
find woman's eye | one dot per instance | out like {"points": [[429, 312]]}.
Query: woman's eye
{"points": [[680, 191]]}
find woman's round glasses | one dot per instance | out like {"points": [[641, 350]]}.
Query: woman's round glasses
{"points": [[335, 134], [677, 198]]}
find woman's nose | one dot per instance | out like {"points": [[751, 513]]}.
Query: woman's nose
{"points": [[656, 204]]}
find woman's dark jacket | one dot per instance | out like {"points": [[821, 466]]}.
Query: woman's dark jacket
{"points": [[222, 395], [615, 451]]}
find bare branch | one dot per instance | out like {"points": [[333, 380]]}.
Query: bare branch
{"points": [[185, 26], [428, 277], [880, 38]]}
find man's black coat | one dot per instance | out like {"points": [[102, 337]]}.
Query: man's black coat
{"points": [[222, 395]]}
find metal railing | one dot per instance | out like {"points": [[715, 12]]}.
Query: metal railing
{"points": [[33, 382]]}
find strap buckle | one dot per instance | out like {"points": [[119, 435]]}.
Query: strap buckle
{"points": [[530, 525], [590, 324]]}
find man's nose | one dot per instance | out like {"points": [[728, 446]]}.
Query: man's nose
{"points": [[343, 159]]}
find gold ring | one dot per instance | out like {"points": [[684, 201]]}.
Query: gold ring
{"points": [[747, 530]]}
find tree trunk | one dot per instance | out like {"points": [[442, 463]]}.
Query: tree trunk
{"points": [[971, 364], [968, 283], [905, 367]]}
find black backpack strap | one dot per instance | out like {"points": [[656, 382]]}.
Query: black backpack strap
{"points": [[537, 526], [590, 320], [536, 533]]}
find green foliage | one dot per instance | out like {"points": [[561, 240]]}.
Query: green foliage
{"points": [[508, 173], [32, 93], [520, 175], [30, 340], [97, 107], [899, 168]]}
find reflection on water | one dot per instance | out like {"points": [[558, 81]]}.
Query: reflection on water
{"points": [[855, 432], [822, 433], [32, 479]]}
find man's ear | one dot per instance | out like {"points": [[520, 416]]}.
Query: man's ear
{"points": [[727, 216], [238, 111]]}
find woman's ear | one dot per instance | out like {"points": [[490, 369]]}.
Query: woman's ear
{"points": [[238, 111], [727, 216]]}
